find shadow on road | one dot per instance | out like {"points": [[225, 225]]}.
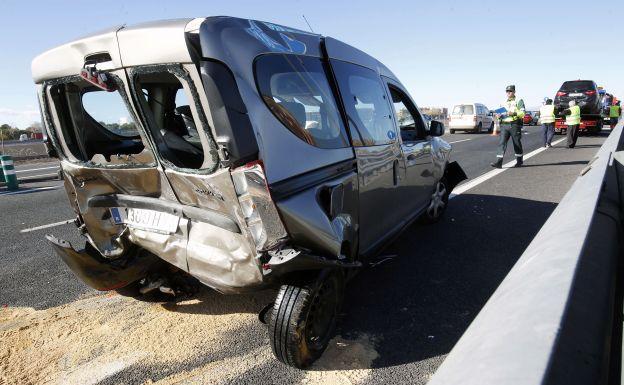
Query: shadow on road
{"points": [[420, 303]]}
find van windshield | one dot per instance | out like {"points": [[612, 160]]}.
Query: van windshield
{"points": [[463, 109]]}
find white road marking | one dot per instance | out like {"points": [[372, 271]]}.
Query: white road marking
{"points": [[30, 190], [489, 175], [46, 226], [458, 141], [37, 176], [36, 169]]}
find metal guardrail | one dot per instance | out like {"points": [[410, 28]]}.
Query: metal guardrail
{"points": [[557, 316]]}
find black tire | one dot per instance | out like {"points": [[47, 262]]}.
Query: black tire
{"points": [[303, 319], [479, 128], [430, 215], [452, 131]]}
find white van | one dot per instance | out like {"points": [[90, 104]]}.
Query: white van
{"points": [[474, 117]]}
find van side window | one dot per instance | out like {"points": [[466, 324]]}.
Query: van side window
{"points": [[407, 116], [167, 110], [97, 126], [296, 90], [366, 104]]}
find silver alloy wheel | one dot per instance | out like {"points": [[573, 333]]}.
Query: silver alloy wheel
{"points": [[438, 203]]}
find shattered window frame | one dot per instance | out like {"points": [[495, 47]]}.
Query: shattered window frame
{"points": [[49, 109], [211, 158]]}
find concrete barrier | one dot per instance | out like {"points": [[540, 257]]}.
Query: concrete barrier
{"points": [[25, 150]]}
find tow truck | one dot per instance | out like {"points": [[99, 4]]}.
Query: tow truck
{"points": [[590, 124]]}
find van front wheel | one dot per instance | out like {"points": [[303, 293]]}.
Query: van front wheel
{"points": [[303, 319], [437, 204]]}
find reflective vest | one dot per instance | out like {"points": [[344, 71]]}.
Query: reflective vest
{"points": [[614, 111], [514, 105], [574, 117], [547, 113]]}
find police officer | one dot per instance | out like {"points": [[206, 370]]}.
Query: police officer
{"points": [[547, 118], [573, 121], [614, 114], [511, 127]]}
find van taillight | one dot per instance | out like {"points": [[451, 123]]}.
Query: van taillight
{"points": [[590, 92], [249, 184], [474, 118], [561, 93]]}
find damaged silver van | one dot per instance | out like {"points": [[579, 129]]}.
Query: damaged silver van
{"points": [[242, 153]]}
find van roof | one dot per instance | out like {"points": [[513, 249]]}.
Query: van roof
{"points": [[165, 41]]}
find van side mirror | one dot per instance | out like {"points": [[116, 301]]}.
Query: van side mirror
{"points": [[436, 128]]}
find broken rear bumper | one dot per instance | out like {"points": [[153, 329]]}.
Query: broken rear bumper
{"points": [[100, 273]]}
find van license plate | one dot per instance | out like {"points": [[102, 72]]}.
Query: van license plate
{"points": [[576, 94], [145, 219]]}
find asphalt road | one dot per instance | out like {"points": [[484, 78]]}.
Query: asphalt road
{"points": [[404, 314]]}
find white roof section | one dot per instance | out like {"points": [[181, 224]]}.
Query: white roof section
{"points": [[149, 43]]}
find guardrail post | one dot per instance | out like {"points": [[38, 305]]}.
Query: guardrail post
{"points": [[9, 172]]}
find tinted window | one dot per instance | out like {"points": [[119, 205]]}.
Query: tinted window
{"points": [[580, 85], [296, 90], [366, 103], [463, 109]]}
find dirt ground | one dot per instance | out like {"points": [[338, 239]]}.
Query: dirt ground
{"points": [[111, 339]]}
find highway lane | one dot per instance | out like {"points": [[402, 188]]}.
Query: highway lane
{"points": [[400, 317], [475, 152], [36, 170]]}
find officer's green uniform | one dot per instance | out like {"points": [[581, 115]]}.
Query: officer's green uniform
{"points": [[614, 114], [573, 121], [511, 126]]}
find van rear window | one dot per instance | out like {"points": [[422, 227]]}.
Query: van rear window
{"points": [[96, 126], [463, 109], [296, 90]]}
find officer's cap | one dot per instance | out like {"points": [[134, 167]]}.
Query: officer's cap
{"points": [[511, 88]]}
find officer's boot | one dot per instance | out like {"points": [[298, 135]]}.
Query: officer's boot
{"points": [[518, 161], [498, 163]]}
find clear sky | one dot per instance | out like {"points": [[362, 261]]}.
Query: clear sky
{"points": [[444, 51]]}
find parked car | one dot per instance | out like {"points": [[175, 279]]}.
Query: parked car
{"points": [[474, 117], [530, 118], [248, 155], [584, 92]]}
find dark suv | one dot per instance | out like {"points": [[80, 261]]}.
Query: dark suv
{"points": [[584, 92]]}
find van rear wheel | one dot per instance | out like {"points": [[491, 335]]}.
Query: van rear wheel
{"points": [[303, 319]]}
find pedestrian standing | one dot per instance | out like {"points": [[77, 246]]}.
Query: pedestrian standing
{"points": [[615, 111], [547, 119], [511, 127], [573, 121]]}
